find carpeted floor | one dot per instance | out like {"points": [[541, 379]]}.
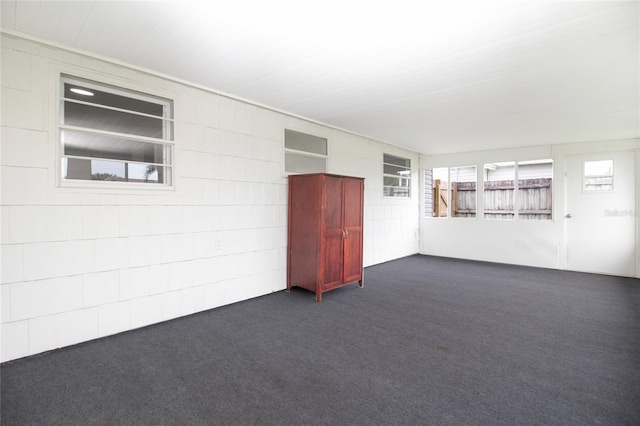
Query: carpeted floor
{"points": [[426, 341]]}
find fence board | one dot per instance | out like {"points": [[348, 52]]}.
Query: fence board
{"points": [[440, 204]]}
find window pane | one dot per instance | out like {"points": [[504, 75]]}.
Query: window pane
{"points": [[436, 192], [396, 176], [398, 161], [535, 189], [598, 168], [303, 142], [104, 170], [463, 191], [144, 173], [300, 163], [396, 187], [101, 146], [499, 190], [92, 117], [113, 100], [598, 176], [114, 171], [395, 170]]}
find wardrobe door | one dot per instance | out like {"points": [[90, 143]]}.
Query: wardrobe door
{"points": [[353, 206], [303, 251], [333, 232]]}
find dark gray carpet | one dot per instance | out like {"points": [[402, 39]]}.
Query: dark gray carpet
{"points": [[426, 341]]}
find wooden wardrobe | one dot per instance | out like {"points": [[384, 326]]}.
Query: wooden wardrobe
{"points": [[324, 232]]}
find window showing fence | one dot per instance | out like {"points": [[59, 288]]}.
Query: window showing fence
{"points": [[436, 192], [522, 190], [499, 190], [463, 191], [535, 189]]}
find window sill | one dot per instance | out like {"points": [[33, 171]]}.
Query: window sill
{"points": [[115, 186]]}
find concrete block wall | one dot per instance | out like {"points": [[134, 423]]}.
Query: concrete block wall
{"points": [[79, 263]]}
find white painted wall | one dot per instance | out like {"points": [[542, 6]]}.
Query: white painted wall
{"points": [[539, 243], [83, 263], [637, 212]]}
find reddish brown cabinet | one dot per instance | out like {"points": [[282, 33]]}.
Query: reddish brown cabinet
{"points": [[324, 232]]}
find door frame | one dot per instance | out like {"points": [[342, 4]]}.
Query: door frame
{"points": [[563, 209]]}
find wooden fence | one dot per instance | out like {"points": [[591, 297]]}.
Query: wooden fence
{"points": [[535, 199], [499, 199], [463, 199], [440, 200]]}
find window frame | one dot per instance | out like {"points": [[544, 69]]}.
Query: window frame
{"points": [[409, 177], [303, 153], [166, 144]]}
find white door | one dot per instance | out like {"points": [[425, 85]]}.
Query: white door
{"points": [[600, 213]]}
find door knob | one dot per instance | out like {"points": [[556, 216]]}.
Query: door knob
{"points": [[568, 216]]}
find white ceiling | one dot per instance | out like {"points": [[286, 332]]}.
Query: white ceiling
{"points": [[434, 76]]}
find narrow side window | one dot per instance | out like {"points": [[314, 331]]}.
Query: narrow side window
{"points": [[436, 192]]}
